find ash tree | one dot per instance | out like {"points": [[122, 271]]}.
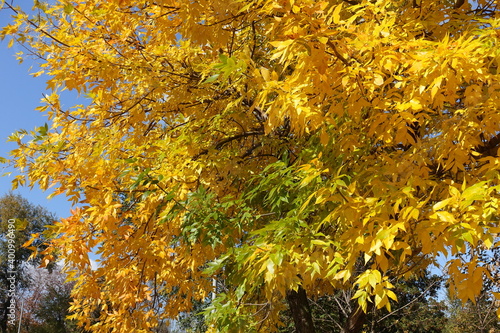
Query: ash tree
{"points": [[289, 148]]}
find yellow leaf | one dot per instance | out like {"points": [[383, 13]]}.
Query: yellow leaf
{"points": [[445, 216], [442, 204], [392, 295], [265, 73], [323, 40], [336, 14], [31, 240], [379, 80]]}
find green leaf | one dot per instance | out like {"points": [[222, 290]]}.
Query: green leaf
{"points": [[223, 58], [473, 193], [212, 78], [42, 130], [68, 9]]}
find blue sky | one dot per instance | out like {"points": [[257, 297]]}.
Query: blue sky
{"points": [[20, 94]]}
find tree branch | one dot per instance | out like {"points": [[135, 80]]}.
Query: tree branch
{"points": [[488, 147], [220, 144]]}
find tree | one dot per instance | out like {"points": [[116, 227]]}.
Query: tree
{"points": [[479, 314], [417, 310], [19, 220], [46, 302], [51, 311], [290, 148]]}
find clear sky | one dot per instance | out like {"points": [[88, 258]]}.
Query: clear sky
{"points": [[20, 94]]}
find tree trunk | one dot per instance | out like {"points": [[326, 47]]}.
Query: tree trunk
{"points": [[301, 311], [3, 322], [355, 321]]}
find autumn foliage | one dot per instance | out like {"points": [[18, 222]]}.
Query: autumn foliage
{"points": [[275, 146]]}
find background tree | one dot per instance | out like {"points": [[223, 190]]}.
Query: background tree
{"points": [[193, 321], [417, 310], [481, 313], [478, 316], [46, 303], [290, 148], [52, 310], [29, 219]]}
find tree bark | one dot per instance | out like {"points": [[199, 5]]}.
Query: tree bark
{"points": [[3, 321], [355, 321], [301, 311]]}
